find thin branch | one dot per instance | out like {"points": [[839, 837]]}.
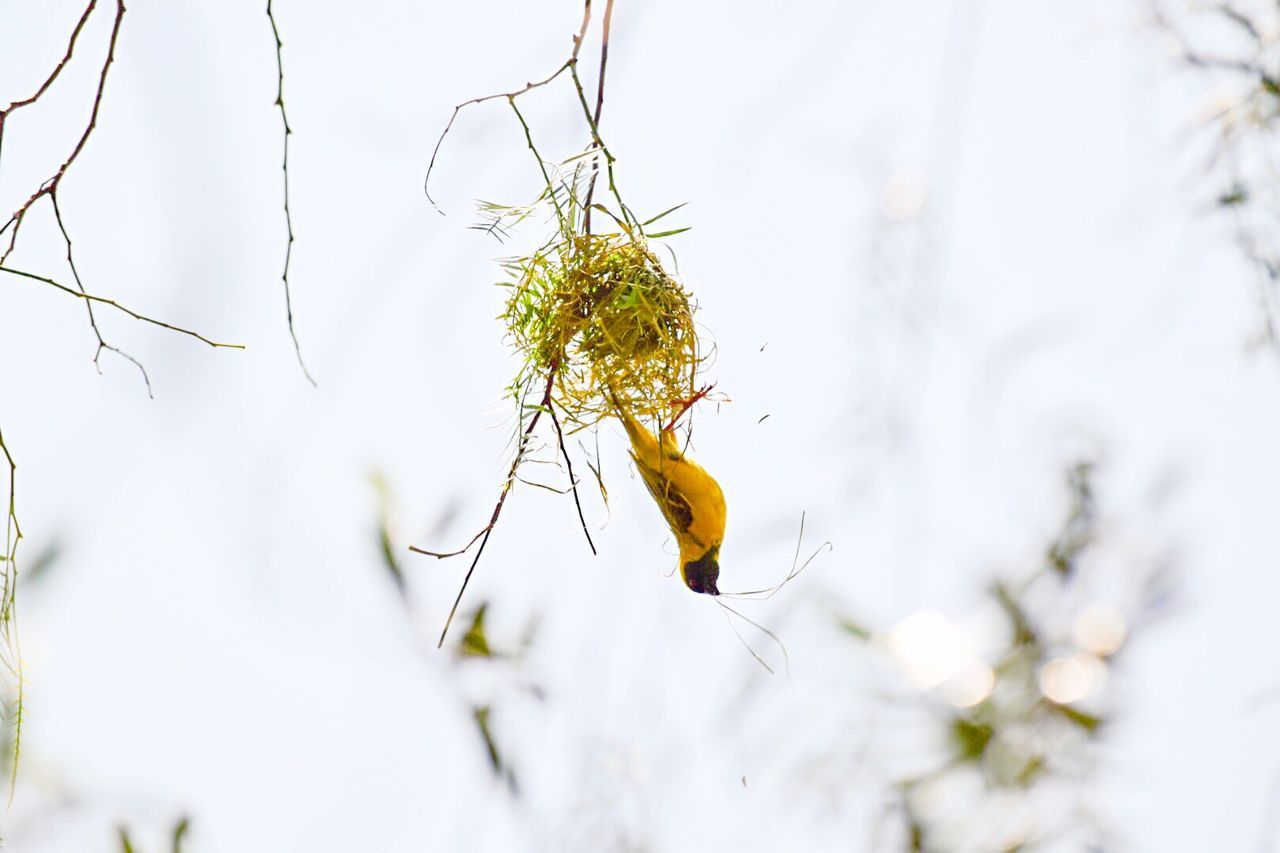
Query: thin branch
{"points": [[528, 87], [1245, 129], [582, 30], [609, 158], [1241, 21], [573, 481], [542, 165], [101, 300], [288, 215], [522, 447], [8, 615], [93, 322], [596, 469], [71, 46], [13, 532], [12, 535], [487, 530], [51, 185], [604, 62]]}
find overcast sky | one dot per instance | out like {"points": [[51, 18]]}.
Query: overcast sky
{"points": [[948, 248]]}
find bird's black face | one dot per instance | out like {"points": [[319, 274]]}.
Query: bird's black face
{"points": [[700, 575]]}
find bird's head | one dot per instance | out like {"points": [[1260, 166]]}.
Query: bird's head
{"points": [[700, 575]]}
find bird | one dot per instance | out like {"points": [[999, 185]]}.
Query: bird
{"points": [[690, 499]]}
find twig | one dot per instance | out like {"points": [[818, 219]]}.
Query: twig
{"points": [[528, 87], [12, 535], [101, 300], [93, 322], [573, 481], [51, 185], [71, 46], [1240, 20], [604, 61], [546, 405], [542, 165], [288, 215], [1248, 124], [487, 530], [8, 615], [49, 188], [13, 532], [608, 157]]}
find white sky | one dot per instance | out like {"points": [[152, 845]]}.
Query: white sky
{"points": [[219, 638]]}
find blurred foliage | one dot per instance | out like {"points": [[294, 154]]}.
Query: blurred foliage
{"points": [[1018, 724], [475, 642], [475, 649], [501, 661], [386, 549], [14, 687], [177, 836], [1077, 532], [1237, 47]]}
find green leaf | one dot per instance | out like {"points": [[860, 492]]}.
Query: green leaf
{"points": [[970, 738], [180, 833], [857, 630], [663, 213], [1235, 197], [476, 642], [670, 233], [1089, 722]]}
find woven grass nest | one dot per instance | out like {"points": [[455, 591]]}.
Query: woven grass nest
{"points": [[601, 313]]}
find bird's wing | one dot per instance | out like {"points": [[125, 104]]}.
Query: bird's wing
{"points": [[674, 505]]}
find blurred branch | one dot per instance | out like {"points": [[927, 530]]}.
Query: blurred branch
{"points": [[10, 652], [1247, 127]]}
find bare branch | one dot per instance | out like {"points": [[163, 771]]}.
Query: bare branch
{"points": [[8, 616], [93, 321], [288, 215], [528, 87], [101, 300], [483, 535], [71, 46], [604, 62], [573, 481], [51, 185]]}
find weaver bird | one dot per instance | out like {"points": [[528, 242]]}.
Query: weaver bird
{"points": [[690, 500]]}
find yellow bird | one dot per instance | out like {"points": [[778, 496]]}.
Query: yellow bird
{"points": [[690, 500]]}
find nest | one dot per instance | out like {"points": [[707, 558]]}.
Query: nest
{"points": [[602, 314]]}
